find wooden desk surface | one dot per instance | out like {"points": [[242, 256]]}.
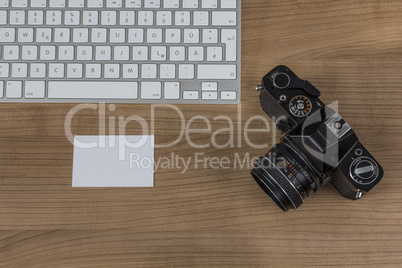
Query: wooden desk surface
{"points": [[350, 50]]}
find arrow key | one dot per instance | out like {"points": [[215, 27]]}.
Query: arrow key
{"points": [[190, 95], [209, 86], [209, 95]]}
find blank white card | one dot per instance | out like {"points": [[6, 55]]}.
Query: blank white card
{"points": [[113, 161]]}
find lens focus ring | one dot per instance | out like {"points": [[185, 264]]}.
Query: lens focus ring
{"points": [[284, 177], [283, 182]]}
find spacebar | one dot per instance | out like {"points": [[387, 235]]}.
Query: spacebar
{"points": [[92, 90]]}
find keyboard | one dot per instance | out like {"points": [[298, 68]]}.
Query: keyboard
{"points": [[138, 51]]}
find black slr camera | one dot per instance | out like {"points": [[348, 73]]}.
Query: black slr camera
{"points": [[318, 145]]}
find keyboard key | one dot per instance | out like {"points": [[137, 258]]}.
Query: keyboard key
{"points": [[57, 3], [76, 3], [1, 89], [151, 90], [177, 54], [53, 17], [3, 17], [228, 95], [29, 53], [201, 18], [158, 53], [11, 52], [80, 35], [127, 17], [191, 36], [171, 4], [228, 3], [47, 53], [84, 53], [209, 4], [74, 70], [210, 36], [224, 18], [90, 18], [167, 71], [95, 3], [121, 53], [98, 35], [92, 90], [25, 35], [145, 18], [140, 53], [154, 36], [214, 53], [66, 53], [211, 72], [190, 95], [190, 3], [43, 35], [229, 38], [19, 70], [209, 95], [152, 3], [38, 3], [72, 18], [148, 71], [19, 3], [4, 3], [56, 70], [93, 71], [112, 71], [133, 3], [196, 53], [17, 17], [7, 35], [62, 35], [164, 18], [186, 71], [14, 90], [117, 35], [35, 17], [209, 86], [108, 17], [103, 53], [172, 36], [38, 70], [34, 89], [114, 3], [135, 35], [130, 71], [182, 18], [172, 90], [4, 70]]}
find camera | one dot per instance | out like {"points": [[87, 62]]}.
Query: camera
{"points": [[318, 146]]}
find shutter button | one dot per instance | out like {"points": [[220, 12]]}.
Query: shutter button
{"points": [[281, 80]]}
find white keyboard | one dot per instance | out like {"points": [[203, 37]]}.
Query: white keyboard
{"points": [[138, 51]]}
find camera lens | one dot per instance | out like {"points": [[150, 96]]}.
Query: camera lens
{"points": [[284, 177]]}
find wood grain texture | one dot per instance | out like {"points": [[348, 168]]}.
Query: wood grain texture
{"points": [[350, 50]]}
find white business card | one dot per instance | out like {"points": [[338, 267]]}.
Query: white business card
{"points": [[113, 161]]}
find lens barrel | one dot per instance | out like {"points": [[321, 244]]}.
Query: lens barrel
{"points": [[285, 177]]}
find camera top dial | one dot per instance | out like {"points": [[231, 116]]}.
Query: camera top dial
{"points": [[364, 170], [300, 106]]}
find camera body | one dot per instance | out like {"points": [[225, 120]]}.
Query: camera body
{"points": [[318, 145]]}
